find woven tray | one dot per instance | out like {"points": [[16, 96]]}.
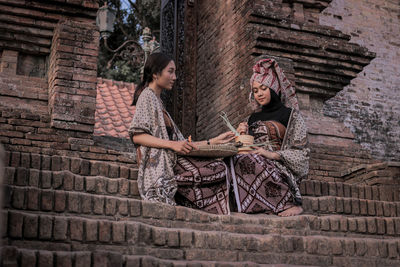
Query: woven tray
{"points": [[214, 151]]}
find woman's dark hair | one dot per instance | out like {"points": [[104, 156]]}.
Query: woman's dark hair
{"points": [[155, 63]]}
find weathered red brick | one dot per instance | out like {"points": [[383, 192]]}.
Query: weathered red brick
{"points": [[82, 259], [15, 159], [371, 207], [112, 186], [76, 229], [133, 188], [380, 222], [31, 224], [347, 205], [60, 228], [104, 231], [47, 197], [56, 163], [118, 232], [79, 183], [392, 250], [389, 226], [363, 207], [98, 204], [45, 258], [15, 222], [73, 202], [124, 172], [101, 185], [64, 258], [46, 162], [68, 183], [28, 257], [85, 167], [111, 206], [75, 165], [379, 208], [25, 160], [60, 200], [35, 161], [45, 179], [9, 174], [18, 197], [123, 207], [124, 187], [375, 193], [355, 206], [32, 199]]}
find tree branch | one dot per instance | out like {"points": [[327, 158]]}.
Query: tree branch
{"points": [[133, 5]]}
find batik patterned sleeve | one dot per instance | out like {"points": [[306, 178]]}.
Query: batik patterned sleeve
{"points": [[296, 154], [143, 119]]}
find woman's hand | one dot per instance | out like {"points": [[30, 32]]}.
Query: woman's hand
{"points": [[266, 153], [223, 138], [243, 128], [183, 147]]}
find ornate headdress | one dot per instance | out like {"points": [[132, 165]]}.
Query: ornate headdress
{"points": [[267, 72]]}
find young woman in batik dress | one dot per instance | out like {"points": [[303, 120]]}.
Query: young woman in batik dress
{"points": [[165, 173], [268, 178]]}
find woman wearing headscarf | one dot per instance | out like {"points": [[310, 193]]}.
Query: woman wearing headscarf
{"points": [[165, 174], [267, 179]]}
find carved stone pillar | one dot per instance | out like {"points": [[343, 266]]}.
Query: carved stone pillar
{"points": [[178, 39]]}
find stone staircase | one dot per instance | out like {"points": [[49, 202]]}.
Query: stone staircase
{"points": [[66, 211]]}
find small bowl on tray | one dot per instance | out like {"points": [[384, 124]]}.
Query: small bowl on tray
{"points": [[244, 140]]}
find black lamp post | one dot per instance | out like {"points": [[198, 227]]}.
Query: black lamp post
{"points": [[133, 52]]}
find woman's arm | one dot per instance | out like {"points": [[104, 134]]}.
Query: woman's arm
{"points": [[181, 147], [151, 141], [200, 143], [268, 154], [220, 139]]}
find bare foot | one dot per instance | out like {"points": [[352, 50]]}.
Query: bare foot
{"points": [[293, 211]]}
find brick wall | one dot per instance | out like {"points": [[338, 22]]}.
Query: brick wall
{"points": [[319, 60], [20, 91], [222, 42], [369, 106], [25, 131], [73, 76], [48, 76], [29, 33]]}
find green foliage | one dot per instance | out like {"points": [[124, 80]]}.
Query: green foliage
{"points": [[131, 19]]}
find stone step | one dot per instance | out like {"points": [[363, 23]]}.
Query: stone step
{"points": [[25, 257], [179, 217], [91, 205], [153, 261], [75, 165], [68, 181], [340, 189], [46, 166], [103, 185], [60, 201], [303, 225], [52, 232], [350, 206]]}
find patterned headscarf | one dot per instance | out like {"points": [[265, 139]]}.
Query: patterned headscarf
{"points": [[267, 72]]}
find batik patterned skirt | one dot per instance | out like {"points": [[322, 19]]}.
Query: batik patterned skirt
{"points": [[258, 185], [202, 184]]}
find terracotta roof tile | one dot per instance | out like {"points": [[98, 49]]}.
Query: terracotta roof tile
{"points": [[114, 112]]}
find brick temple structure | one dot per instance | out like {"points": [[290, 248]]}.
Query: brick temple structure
{"points": [[345, 79], [70, 191]]}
